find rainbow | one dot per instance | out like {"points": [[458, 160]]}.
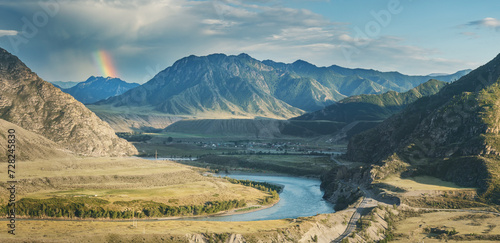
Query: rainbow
{"points": [[104, 61]]}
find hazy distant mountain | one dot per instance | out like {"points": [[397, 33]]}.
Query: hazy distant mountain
{"points": [[457, 75], [454, 135], [39, 107], [240, 86], [64, 84], [349, 82], [99, 88]]}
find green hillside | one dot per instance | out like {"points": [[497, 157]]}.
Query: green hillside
{"points": [[452, 135], [374, 107]]}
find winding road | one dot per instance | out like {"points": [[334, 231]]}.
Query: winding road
{"points": [[367, 202]]}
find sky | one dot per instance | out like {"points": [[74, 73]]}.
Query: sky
{"points": [[71, 40]]}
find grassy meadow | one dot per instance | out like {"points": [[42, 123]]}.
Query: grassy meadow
{"points": [[421, 183], [468, 226], [126, 179]]}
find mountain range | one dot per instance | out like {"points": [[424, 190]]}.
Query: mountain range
{"points": [[243, 87], [98, 88], [42, 109], [454, 135]]}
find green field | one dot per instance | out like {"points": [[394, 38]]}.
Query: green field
{"points": [[178, 149]]}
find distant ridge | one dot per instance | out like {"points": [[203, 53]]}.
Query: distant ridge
{"points": [[98, 88]]}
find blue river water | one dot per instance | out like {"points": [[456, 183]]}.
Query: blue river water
{"points": [[301, 197]]}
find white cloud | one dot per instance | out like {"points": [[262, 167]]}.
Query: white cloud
{"points": [[487, 22], [7, 32], [141, 34]]}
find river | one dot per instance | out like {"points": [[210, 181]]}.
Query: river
{"points": [[301, 197]]}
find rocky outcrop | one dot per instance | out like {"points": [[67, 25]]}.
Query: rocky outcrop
{"points": [[342, 186], [38, 106]]}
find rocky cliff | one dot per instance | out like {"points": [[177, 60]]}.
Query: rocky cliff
{"points": [[36, 105], [342, 186]]}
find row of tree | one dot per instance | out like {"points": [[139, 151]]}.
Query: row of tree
{"points": [[81, 208], [263, 186]]}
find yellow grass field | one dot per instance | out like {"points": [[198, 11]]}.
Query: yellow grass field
{"points": [[422, 183], [463, 222], [125, 179], [97, 231], [326, 226]]}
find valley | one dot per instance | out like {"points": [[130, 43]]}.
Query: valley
{"points": [[150, 164]]}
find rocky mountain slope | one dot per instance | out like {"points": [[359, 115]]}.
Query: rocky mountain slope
{"points": [[453, 135], [38, 106], [241, 86], [98, 88], [30, 146]]}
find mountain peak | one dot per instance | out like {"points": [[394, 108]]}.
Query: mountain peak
{"points": [[10, 65], [301, 62], [98, 88], [244, 55], [102, 79]]}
